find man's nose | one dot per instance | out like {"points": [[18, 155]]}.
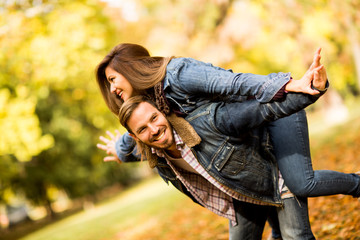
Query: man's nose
{"points": [[153, 128]]}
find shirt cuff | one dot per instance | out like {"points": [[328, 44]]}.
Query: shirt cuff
{"points": [[280, 94]]}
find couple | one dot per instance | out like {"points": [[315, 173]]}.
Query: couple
{"points": [[231, 143]]}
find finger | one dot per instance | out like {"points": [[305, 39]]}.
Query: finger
{"points": [[109, 158], [309, 74], [317, 53], [313, 92], [316, 76], [317, 56], [322, 70], [316, 61], [110, 134], [319, 68], [104, 139], [102, 147]]}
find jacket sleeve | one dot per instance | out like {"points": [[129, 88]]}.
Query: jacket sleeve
{"points": [[190, 77], [234, 118], [126, 149]]}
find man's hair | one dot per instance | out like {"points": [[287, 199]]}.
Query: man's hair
{"points": [[125, 112], [134, 62], [129, 106]]}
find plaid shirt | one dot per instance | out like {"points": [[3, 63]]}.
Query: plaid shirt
{"points": [[206, 190]]}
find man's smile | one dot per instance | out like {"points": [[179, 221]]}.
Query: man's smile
{"points": [[159, 137]]}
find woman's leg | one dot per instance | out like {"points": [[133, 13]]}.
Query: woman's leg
{"points": [[290, 139], [294, 219]]}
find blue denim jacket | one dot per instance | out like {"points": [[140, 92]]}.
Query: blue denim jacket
{"points": [[189, 84], [235, 146]]}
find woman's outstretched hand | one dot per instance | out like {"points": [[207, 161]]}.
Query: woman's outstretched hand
{"points": [[109, 146], [314, 78], [320, 79]]}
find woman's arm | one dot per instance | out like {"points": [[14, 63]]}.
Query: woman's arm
{"points": [[191, 79], [235, 118], [310, 87]]}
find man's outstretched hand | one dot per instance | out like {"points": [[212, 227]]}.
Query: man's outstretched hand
{"points": [[109, 146]]}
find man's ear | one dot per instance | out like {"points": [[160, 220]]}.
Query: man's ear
{"points": [[133, 136]]}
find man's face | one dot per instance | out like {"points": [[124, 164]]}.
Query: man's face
{"points": [[151, 127]]}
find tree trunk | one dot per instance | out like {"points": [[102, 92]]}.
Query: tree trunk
{"points": [[49, 210]]}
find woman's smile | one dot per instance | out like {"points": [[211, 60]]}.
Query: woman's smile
{"points": [[120, 93], [119, 85]]}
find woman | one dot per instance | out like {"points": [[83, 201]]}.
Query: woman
{"points": [[183, 84]]}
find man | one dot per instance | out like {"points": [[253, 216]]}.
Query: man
{"points": [[240, 173]]}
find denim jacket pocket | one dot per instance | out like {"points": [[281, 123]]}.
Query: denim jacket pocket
{"points": [[229, 160]]}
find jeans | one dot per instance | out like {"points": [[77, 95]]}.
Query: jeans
{"points": [[274, 223], [293, 219], [290, 139]]}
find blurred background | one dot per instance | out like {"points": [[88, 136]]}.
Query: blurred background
{"points": [[52, 113]]}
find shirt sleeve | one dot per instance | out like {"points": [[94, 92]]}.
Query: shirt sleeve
{"points": [[126, 149], [195, 78]]}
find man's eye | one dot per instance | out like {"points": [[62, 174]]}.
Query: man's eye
{"points": [[154, 118], [141, 130]]}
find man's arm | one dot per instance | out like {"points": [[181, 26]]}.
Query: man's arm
{"points": [[120, 148]]}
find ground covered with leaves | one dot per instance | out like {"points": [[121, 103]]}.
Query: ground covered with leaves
{"points": [[337, 217]]}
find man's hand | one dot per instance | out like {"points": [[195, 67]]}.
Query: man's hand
{"points": [[109, 146]]}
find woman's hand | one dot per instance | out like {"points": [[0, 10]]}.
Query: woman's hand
{"points": [[320, 79], [109, 146], [315, 77]]}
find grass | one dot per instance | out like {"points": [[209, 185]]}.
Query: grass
{"points": [[134, 207]]}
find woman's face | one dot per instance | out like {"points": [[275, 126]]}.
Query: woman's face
{"points": [[119, 85]]}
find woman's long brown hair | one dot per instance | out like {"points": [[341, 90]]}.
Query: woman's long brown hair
{"points": [[136, 65]]}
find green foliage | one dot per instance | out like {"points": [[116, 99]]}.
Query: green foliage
{"points": [[51, 109], [21, 134]]}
